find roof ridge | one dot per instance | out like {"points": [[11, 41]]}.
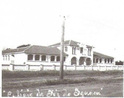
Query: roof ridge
{"points": [[103, 54], [28, 48]]}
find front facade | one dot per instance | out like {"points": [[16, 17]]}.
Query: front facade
{"points": [[78, 53], [75, 54]]}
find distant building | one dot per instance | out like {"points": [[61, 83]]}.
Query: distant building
{"points": [[119, 63], [75, 53]]}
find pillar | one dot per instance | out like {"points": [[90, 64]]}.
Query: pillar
{"points": [[98, 60], [40, 58], [27, 67], [103, 60], [91, 61], [55, 58], [11, 67], [48, 58], [85, 61], [33, 57]]}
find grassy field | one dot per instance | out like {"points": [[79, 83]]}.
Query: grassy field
{"points": [[75, 83]]}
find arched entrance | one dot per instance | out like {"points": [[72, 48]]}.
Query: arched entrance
{"points": [[81, 60], [88, 61], [74, 61]]}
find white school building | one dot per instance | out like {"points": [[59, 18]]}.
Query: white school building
{"points": [[75, 54]]}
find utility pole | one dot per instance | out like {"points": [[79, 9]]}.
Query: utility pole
{"points": [[62, 50]]}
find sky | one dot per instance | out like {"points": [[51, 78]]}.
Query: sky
{"points": [[99, 23]]}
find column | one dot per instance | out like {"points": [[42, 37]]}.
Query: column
{"points": [[40, 57], [48, 58], [77, 61], [103, 60], [106, 60], [11, 67], [55, 58], [110, 61], [33, 57], [85, 61], [98, 60], [91, 61]]}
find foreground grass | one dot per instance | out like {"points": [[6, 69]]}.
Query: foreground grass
{"points": [[88, 77], [111, 82], [57, 82], [47, 82], [29, 74]]}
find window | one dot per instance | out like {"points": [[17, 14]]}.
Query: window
{"points": [[100, 60], [105, 60], [52, 58], [73, 50], [58, 58], [66, 49], [30, 57], [81, 50], [89, 51], [37, 57], [111, 60], [43, 58], [97, 60]]}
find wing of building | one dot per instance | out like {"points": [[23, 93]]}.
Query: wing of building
{"points": [[33, 55], [75, 53]]}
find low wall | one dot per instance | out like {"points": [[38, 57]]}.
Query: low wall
{"points": [[57, 67]]}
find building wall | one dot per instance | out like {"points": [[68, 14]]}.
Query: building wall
{"points": [[77, 54], [103, 61], [22, 58], [18, 58]]}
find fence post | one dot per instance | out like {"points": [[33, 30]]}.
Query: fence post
{"points": [[42, 67], [98, 68], [27, 67], [111, 67], [105, 68], [84, 67], [54, 66], [75, 67], [92, 67], [11, 67]]}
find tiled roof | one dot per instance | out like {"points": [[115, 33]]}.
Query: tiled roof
{"points": [[14, 50], [67, 42], [35, 49], [101, 55], [70, 43]]}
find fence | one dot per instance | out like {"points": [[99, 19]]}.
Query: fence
{"points": [[57, 67]]}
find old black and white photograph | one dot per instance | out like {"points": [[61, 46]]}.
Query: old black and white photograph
{"points": [[62, 48]]}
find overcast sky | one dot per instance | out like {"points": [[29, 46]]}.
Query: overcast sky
{"points": [[95, 22]]}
